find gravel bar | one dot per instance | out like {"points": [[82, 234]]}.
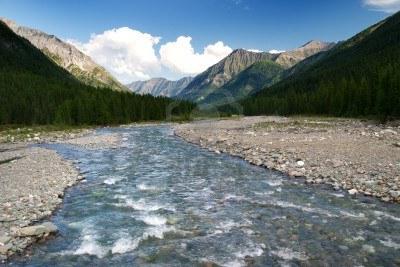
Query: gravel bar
{"points": [[359, 156]]}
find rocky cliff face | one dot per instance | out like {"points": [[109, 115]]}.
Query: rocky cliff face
{"points": [[224, 71], [160, 86], [67, 56], [291, 58]]}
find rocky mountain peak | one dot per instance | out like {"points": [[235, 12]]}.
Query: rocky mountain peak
{"points": [[67, 56], [291, 58], [159, 86], [315, 44]]}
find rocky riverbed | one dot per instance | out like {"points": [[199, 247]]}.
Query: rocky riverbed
{"points": [[95, 141], [32, 184], [359, 156]]}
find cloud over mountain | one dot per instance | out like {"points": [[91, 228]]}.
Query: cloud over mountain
{"points": [[181, 57], [128, 54], [131, 55]]}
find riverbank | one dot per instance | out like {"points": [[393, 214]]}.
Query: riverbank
{"points": [[358, 156], [33, 181]]}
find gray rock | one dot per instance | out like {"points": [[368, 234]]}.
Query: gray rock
{"points": [[353, 191], [394, 194], [388, 131], [296, 173], [4, 249], [368, 248], [300, 163], [38, 230], [4, 239]]}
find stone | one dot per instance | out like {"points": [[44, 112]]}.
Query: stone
{"points": [[337, 163], [388, 131], [397, 144], [360, 171], [4, 239], [300, 163], [38, 230], [353, 191], [394, 194], [4, 249], [296, 173], [368, 248]]}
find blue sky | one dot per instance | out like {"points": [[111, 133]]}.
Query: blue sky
{"points": [[250, 24]]}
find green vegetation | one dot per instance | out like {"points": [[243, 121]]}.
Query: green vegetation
{"points": [[34, 90], [359, 77]]}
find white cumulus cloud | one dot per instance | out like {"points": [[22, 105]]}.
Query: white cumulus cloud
{"points": [[127, 53], [131, 55], [181, 57], [389, 6]]}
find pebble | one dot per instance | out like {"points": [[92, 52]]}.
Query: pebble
{"points": [[394, 194], [300, 163], [4, 239], [353, 191], [368, 248], [296, 173]]}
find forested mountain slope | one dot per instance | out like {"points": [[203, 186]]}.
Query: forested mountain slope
{"points": [[358, 77], [67, 56], [34, 90]]}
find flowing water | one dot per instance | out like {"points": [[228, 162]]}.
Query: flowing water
{"points": [[159, 201]]}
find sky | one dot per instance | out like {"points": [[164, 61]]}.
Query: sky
{"points": [[142, 39]]}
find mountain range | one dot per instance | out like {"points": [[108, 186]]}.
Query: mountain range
{"points": [[244, 72], [357, 77], [238, 75], [68, 57], [160, 86], [45, 80]]}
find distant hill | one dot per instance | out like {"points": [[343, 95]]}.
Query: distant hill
{"points": [[34, 90], [205, 87], [67, 56], [159, 86], [358, 77]]}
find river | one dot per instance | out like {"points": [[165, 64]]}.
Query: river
{"points": [[159, 201]]}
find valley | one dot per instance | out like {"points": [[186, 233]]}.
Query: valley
{"points": [[142, 198], [125, 141]]}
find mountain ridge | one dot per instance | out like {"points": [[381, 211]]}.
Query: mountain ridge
{"points": [[160, 86], [67, 56], [358, 77], [34, 90], [216, 76]]}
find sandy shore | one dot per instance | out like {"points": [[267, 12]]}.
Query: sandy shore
{"points": [[359, 156], [32, 185]]}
